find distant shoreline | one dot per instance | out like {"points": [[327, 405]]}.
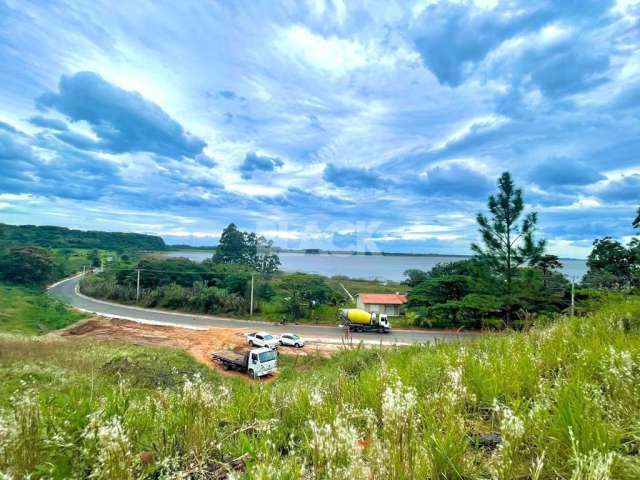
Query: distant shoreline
{"points": [[313, 251]]}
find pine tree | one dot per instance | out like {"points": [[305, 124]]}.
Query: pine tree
{"points": [[507, 244]]}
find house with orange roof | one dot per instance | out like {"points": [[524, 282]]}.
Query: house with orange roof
{"points": [[388, 303]]}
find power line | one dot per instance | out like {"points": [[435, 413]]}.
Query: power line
{"points": [[164, 271]]}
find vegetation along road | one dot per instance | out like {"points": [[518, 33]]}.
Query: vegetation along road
{"points": [[67, 290]]}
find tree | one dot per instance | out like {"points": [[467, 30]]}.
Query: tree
{"points": [[302, 290], [231, 247], [94, 258], [415, 276], [636, 221], [507, 244], [548, 264], [439, 290], [246, 248], [27, 265], [609, 264], [260, 253]]}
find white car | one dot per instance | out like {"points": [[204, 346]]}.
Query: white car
{"points": [[262, 339], [291, 340]]}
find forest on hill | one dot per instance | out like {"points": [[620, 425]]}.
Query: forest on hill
{"points": [[61, 237]]}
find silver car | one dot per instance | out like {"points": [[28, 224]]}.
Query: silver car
{"points": [[291, 340]]}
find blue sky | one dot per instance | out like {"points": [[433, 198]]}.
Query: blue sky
{"points": [[331, 124]]}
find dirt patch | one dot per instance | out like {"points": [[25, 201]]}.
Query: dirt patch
{"points": [[199, 343]]}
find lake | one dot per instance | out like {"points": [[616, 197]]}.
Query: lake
{"points": [[370, 267]]}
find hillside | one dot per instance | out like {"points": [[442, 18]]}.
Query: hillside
{"points": [[559, 401], [60, 237]]}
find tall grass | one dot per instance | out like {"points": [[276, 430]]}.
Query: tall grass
{"points": [[561, 401], [30, 311]]}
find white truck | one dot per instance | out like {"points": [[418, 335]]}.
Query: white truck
{"points": [[357, 320], [262, 339], [257, 362]]}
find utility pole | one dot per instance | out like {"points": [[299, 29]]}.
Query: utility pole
{"points": [[251, 305], [83, 268], [573, 296], [138, 288]]}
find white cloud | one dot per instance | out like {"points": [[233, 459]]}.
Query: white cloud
{"points": [[333, 82], [334, 55]]}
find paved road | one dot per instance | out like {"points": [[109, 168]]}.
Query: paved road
{"points": [[67, 290]]}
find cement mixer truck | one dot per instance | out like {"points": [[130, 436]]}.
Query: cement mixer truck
{"points": [[357, 320]]}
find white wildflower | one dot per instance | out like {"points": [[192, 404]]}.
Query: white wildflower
{"points": [[316, 396], [536, 467], [512, 426], [114, 455], [7, 431], [334, 450], [397, 402], [457, 390], [594, 465], [619, 365], [198, 391]]}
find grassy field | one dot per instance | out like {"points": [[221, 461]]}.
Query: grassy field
{"points": [[367, 286], [560, 401], [30, 311]]}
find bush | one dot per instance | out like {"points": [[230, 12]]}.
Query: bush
{"points": [[27, 266]]}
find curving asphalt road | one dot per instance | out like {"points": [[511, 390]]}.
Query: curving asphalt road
{"points": [[67, 290]]}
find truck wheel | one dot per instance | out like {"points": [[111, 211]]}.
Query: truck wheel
{"points": [[252, 374], [251, 343], [225, 366], [298, 345]]}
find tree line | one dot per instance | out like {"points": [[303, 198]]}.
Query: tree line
{"points": [[61, 237]]}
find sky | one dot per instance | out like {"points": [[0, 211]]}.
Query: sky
{"points": [[321, 124]]}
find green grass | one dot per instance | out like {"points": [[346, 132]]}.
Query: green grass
{"points": [[367, 286], [31, 311], [565, 399]]}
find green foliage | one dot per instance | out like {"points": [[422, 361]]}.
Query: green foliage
{"points": [[613, 265], [357, 285], [507, 245], [30, 311], [469, 293], [94, 259], [27, 265], [214, 288], [509, 275], [636, 221], [439, 290], [246, 248], [301, 292], [198, 296], [157, 271], [414, 277], [564, 400], [60, 237]]}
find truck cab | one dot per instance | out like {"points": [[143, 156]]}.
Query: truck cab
{"points": [[261, 361], [262, 339], [383, 321]]}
